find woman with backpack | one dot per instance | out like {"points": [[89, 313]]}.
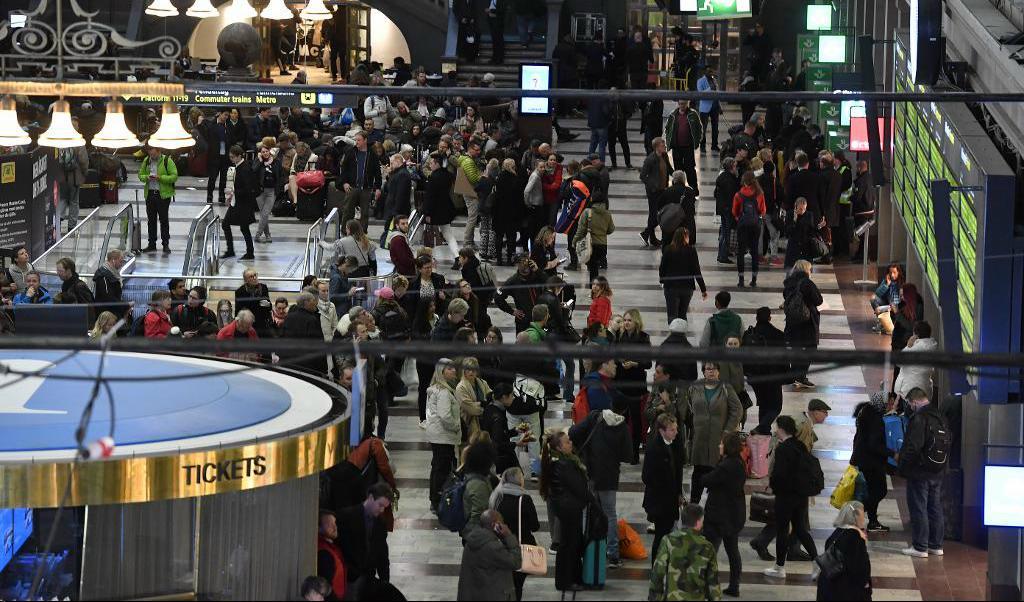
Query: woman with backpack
{"points": [[803, 319], [749, 210], [563, 484], [444, 428]]}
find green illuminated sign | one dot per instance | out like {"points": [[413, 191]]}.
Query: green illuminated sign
{"points": [[723, 9], [831, 49], [819, 78], [806, 48], [819, 17]]}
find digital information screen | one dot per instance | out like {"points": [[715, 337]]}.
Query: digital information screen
{"points": [[831, 49], [1004, 496], [535, 77], [15, 529], [919, 136], [819, 17]]}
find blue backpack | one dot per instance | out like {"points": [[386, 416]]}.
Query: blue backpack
{"points": [[451, 511]]}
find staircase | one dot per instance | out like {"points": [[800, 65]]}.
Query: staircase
{"points": [[506, 75]]}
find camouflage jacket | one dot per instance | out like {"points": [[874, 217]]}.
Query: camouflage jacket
{"points": [[685, 568]]}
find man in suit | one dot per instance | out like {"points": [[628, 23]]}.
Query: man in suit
{"points": [[263, 125], [804, 183], [216, 134], [242, 208], [363, 536]]}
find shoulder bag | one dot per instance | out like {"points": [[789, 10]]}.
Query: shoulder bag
{"points": [[535, 558]]}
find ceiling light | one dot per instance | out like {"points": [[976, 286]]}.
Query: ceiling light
{"points": [[115, 134], [202, 9], [315, 11], [171, 135], [162, 8], [11, 132], [241, 9], [62, 133], [277, 11]]}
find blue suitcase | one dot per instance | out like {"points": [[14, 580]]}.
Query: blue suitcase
{"points": [[595, 563], [895, 427]]}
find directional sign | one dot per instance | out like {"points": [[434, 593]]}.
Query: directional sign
{"points": [[723, 9], [260, 96], [819, 78], [806, 47], [829, 113]]}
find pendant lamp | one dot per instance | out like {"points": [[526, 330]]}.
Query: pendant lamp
{"points": [[115, 134], [277, 11], [241, 9], [171, 135], [202, 9], [62, 133], [162, 8], [315, 10], [11, 133]]}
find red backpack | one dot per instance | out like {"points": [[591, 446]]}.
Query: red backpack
{"points": [[580, 406]]}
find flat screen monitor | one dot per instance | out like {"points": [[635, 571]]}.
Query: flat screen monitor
{"points": [[1004, 496], [859, 133], [831, 49], [819, 17], [534, 77]]}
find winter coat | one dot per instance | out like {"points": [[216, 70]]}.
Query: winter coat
{"points": [[371, 179], [488, 564], [437, 202], [242, 179], [662, 475], [854, 582], [108, 289], [475, 500], [75, 291], [655, 173], [509, 208], [633, 380], [785, 465], [727, 503], [399, 194], [603, 442], [804, 334], [869, 447], [696, 129], [682, 370], [471, 401], [727, 185], [598, 222], [916, 376], [680, 269], [156, 325], [915, 443], [533, 193], [494, 421], [569, 492], [443, 424], [302, 323], [509, 508], [166, 175], [711, 420]]}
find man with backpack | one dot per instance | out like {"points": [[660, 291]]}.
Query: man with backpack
{"points": [[72, 165], [723, 324], [922, 462], [796, 477], [158, 182], [748, 209]]}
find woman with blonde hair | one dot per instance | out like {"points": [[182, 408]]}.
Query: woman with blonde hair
{"points": [[472, 393], [444, 430], [846, 550], [632, 375], [104, 322]]}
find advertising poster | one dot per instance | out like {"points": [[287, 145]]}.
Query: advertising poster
{"points": [[28, 202]]}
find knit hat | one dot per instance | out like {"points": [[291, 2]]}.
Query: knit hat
{"points": [[488, 77], [678, 326], [386, 293]]}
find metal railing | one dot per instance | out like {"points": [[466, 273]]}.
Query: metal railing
{"points": [[200, 235], [322, 235], [415, 225], [121, 238], [82, 244], [313, 249]]}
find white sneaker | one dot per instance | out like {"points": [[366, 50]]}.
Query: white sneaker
{"points": [[937, 552], [914, 553], [778, 572], [423, 424]]}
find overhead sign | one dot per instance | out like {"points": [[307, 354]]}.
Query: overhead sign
{"points": [[859, 133], [831, 49], [262, 96], [723, 9], [819, 17]]}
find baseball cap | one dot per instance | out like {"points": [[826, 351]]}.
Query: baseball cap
{"points": [[818, 405]]}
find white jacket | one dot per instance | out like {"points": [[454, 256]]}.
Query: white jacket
{"points": [[916, 376], [377, 108], [444, 423]]}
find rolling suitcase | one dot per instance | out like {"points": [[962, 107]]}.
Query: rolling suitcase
{"points": [[895, 427], [89, 192], [310, 206], [595, 563]]}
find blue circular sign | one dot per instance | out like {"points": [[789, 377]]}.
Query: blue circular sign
{"points": [[38, 414]]}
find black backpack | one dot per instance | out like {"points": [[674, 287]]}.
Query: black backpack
{"points": [[810, 480], [138, 328], [751, 338], [750, 217], [938, 443]]}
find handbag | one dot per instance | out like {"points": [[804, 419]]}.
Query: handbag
{"points": [[762, 508], [535, 558], [831, 562], [584, 249], [311, 181]]}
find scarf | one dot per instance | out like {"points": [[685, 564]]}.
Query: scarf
{"points": [[573, 458], [502, 490], [278, 318], [324, 306]]}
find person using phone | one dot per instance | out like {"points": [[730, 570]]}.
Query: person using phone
{"points": [[543, 253], [490, 558]]}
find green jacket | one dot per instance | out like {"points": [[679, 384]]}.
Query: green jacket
{"points": [[696, 128], [598, 221], [720, 327], [536, 332], [469, 166], [475, 499], [685, 568], [166, 174]]}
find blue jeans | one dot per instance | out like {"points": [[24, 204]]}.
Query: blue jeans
{"points": [[607, 499], [927, 523], [525, 26], [599, 140], [724, 232]]}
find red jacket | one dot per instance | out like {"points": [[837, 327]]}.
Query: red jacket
{"points": [[737, 202], [228, 332], [600, 311], [401, 256], [551, 185], [373, 448], [337, 566], [157, 324]]}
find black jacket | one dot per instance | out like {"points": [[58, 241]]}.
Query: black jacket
{"points": [[350, 171], [653, 123], [509, 207], [726, 187], [608, 447], [783, 479], [634, 380], [302, 125], [569, 492], [854, 582], [681, 269], [215, 134], [300, 323], [247, 187], [663, 477], [831, 182], [509, 508], [869, 449], [399, 194], [773, 337], [680, 371], [494, 421], [200, 319], [558, 320], [655, 178], [238, 134], [445, 329], [915, 443], [263, 128], [75, 291], [252, 301], [727, 504], [366, 554], [108, 290], [524, 292], [800, 231], [805, 333], [804, 183], [437, 202]]}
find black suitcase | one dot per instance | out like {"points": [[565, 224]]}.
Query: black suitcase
{"points": [[89, 192], [310, 206]]}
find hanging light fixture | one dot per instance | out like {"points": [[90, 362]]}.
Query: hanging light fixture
{"points": [[162, 8], [11, 132], [171, 135], [241, 9], [115, 134], [315, 10], [62, 133], [277, 11], [202, 9]]}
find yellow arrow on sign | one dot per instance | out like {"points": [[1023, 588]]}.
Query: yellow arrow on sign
{"points": [[126, 96]]}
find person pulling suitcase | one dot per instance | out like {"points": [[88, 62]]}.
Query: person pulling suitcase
{"points": [[241, 201]]}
